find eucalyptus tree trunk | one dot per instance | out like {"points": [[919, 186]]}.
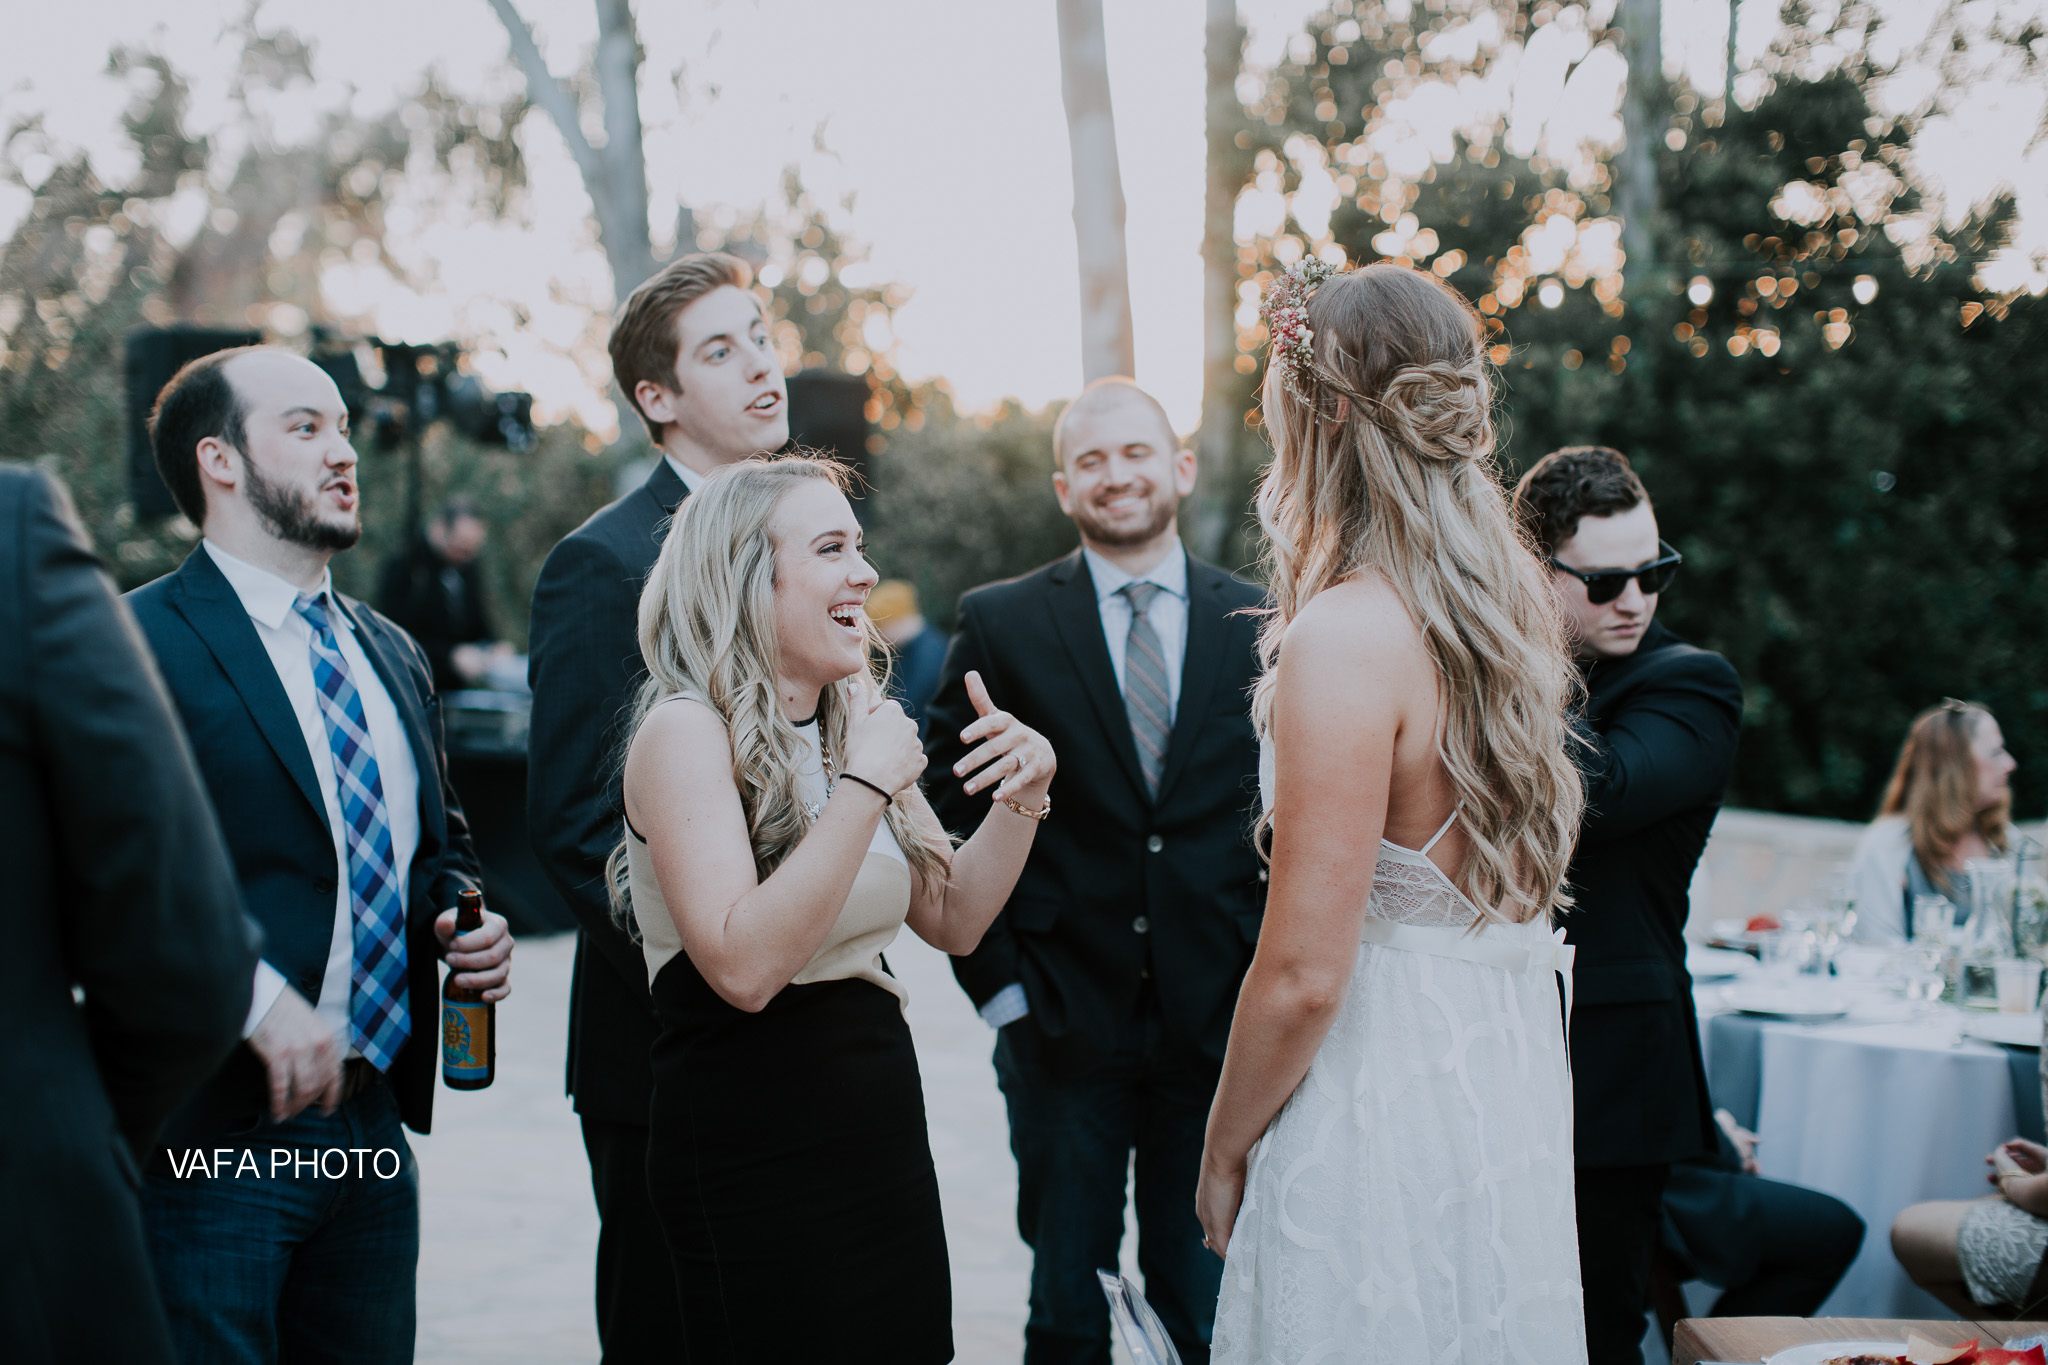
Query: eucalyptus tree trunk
{"points": [[615, 174], [1728, 79], [1222, 432], [1644, 113], [1106, 345]]}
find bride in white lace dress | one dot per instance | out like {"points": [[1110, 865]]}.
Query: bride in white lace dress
{"points": [[1388, 1168]]}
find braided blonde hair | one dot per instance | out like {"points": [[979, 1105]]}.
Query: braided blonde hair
{"points": [[1383, 461], [707, 630]]}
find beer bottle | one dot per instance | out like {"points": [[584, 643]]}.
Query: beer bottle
{"points": [[469, 1023]]}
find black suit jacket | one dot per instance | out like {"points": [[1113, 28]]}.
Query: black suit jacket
{"points": [[117, 883], [416, 593], [1116, 882], [256, 765], [1662, 724], [585, 666]]}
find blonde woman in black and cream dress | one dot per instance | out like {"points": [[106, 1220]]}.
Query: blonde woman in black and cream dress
{"points": [[776, 843]]}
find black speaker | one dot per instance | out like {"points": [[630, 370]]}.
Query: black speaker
{"points": [[828, 414], [152, 355]]}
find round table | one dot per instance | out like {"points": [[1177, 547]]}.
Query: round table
{"points": [[1878, 1114]]}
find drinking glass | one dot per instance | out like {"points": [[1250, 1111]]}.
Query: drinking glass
{"points": [[1934, 919], [2018, 983], [1785, 952], [2030, 900], [1921, 976], [1841, 901]]}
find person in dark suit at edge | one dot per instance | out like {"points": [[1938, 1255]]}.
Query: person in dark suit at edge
{"points": [[119, 886], [318, 734], [434, 589], [1112, 973], [1659, 726], [917, 648], [1775, 1250], [690, 348]]}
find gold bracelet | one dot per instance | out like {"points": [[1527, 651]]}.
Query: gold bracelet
{"points": [[1044, 809]]}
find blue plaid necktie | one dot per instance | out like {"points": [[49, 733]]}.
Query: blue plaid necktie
{"points": [[377, 1014]]}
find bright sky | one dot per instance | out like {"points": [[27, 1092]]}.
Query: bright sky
{"points": [[942, 119]]}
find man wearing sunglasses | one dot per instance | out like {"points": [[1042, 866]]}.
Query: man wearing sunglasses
{"points": [[1660, 722]]}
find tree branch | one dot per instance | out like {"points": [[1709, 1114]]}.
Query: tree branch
{"points": [[617, 65], [551, 95]]}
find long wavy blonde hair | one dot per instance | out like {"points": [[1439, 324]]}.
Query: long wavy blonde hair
{"points": [[707, 630], [1935, 787], [1384, 463]]}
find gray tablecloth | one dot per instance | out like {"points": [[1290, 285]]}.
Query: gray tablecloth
{"points": [[1734, 1048]]}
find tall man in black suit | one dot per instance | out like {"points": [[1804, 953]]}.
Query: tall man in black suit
{"points": [[1660, 723], [690, 347], [117, 883], [1113, 971], [318, 735]]}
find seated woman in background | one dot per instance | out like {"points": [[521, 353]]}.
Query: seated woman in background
{"points": [[1949, 801], [1979, 1254]]}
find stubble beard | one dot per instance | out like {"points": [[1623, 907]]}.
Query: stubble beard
{"points": [[288, 514], [1104, 534]]}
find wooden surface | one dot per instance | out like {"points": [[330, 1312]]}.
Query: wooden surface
{"points": [[1745, 1341]]}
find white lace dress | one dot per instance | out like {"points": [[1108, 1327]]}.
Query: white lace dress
{"points": [[1412, 1200]]}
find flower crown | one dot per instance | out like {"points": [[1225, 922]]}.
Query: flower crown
{"points": [[1290, 340]]}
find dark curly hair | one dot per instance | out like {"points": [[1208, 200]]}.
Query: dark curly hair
{"points": [[1565, 485]]}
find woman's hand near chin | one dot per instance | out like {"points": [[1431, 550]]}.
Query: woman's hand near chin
{"points": [[882, 747], [1009, 754], [1012, 763]]}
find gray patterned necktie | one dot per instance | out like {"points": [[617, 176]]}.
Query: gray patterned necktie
{"points": [[1145, 695]]}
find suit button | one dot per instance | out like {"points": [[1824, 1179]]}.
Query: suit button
{"points": [[324, 885], [1154, 844], [1141, 925], [308, 986]]}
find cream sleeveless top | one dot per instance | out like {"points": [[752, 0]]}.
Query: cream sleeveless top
{"points": [[867, 923]]}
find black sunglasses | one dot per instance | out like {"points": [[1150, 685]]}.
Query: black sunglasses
{"points": [[1605, 585]]}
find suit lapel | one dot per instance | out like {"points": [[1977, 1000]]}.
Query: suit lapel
{"points": [[1208, 632], [666, 487], [217, 615], [1077, 617]]}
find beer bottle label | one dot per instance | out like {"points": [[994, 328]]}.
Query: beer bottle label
{"points": [[465, 1040]]}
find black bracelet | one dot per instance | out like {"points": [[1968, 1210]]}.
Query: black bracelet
{"points": [[887, 799]]}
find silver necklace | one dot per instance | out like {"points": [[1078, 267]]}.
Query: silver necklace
{"points": [[814, 809]]}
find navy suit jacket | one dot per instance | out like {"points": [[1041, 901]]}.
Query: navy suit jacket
{"points": [[255, 763], [113, 880], [584, 664]]}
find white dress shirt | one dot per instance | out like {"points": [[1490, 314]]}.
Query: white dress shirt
{"points": [[1168, 613], [288, 640], [692, 480]]}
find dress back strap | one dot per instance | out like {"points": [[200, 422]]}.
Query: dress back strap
{"points": [[1445, 829]]}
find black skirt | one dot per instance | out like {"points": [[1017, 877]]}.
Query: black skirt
{"points": [[790, 1168]]}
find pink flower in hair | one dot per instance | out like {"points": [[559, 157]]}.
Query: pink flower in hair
{"points": [[1290, 340]]}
